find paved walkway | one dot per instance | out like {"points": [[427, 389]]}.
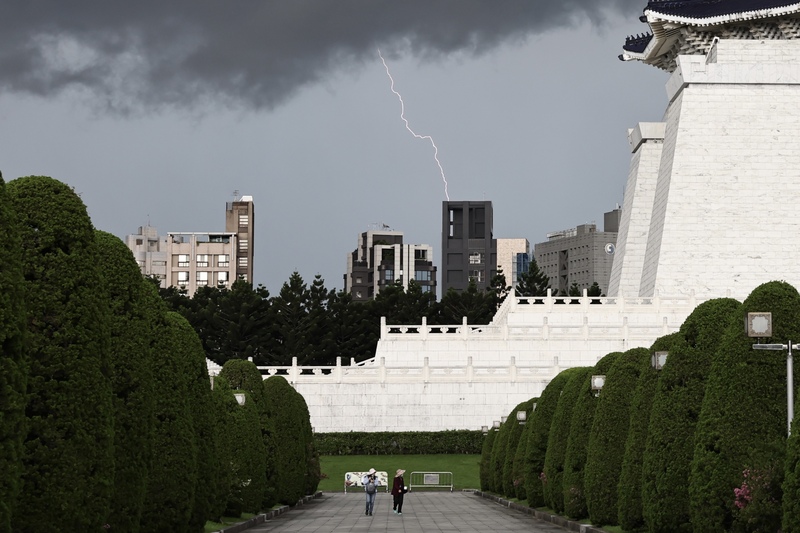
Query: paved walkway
{"points": [[434, 512]]}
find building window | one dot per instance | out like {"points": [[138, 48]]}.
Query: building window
{"points": [[421, 255], [388, 274], [476, 275], [183, 278], [359, 280], [475, 258], [202, 260], [222, 278], [223, 260], [243, 220], [139, 242], [141, 262], [242, 245], [160, 263], [422, 275], [243, 262], [358, 294], [183, 260], [426, 288], [202, 278]]}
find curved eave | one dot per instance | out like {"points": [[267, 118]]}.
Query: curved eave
{"points": [[656, 17], [664, 26]]}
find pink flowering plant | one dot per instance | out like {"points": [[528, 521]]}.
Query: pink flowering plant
{"points": [[757, 501]]}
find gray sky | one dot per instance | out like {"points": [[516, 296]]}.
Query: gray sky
{"points": [[157, 111]]}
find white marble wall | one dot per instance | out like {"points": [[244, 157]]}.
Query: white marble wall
{"points": [[646, 141], [725, 214]]}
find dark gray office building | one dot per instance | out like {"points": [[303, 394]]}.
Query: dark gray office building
{"points": [[469, 250]]}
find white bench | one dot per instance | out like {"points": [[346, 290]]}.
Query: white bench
{"points": [[353, 479]]}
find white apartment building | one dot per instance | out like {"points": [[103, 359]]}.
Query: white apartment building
{"points": [[190, 260]]}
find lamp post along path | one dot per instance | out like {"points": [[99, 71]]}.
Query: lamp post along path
{"points": [[789, 375]]}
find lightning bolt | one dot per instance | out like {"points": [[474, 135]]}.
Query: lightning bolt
{"points": [[403, 116]]}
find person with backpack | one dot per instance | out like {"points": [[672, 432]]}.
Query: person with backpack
{"points": [[398, 490], [370, 482]]}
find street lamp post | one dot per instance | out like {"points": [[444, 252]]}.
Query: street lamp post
{"points": [[760, 325], [789, 375]]}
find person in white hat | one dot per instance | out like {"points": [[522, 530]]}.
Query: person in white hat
{"points": [[398, 490], [370, 482]]}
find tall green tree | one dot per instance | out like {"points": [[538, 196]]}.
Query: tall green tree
{"points": [[534, 282], [171, 488], [477, 306], [289, 319], [537, 431], [485, 467], [577, 446], [133, 304], [605, 450], [198, 387], [13, 367], [69, 446], [558, 439], [243, 375], [740, 440], [232, 323], [629, 487], [669, 448], [286, 415], [512, 483]]}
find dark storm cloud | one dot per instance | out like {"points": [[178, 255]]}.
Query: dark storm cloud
{"points": [[151, 53]]}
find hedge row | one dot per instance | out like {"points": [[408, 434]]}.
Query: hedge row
{"points": [[399, 443], [700, 445]]}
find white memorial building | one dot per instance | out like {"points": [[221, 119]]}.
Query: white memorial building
{"points": [[711, 209]]}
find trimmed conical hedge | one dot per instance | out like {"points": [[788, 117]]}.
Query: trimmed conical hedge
{"points": [[485, 471], [580, 429], [557, 439], [69, 446], [243, 374], [740, 442], [667, 458], [605, 450], [132, 304], [13, 368], [510, 483], [171, 486], [629, 489], [286, 413], [537, 432]]}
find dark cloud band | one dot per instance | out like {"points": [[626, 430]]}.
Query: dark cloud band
{"points": [[152, 53]]}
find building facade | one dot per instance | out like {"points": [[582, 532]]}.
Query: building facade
{"points": [[382, 259], [513, 258], [580, 256], [469, 250], [189, 260], [721, 196]]}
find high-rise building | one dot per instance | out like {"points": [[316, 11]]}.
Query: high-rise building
{"points": [[188, 260], [382, 259], [239, 219], [513, 257], [469, 250], [579, 256]]}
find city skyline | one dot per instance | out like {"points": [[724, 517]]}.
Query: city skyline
{"points": [[531, 116]]}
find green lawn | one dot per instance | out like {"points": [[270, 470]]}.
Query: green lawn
{"points": [[465, 468]]}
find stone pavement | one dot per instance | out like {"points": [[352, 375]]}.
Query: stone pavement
{"points": [[435, 512]]}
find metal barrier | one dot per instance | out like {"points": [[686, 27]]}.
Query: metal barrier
{"points": [[431, 480]]}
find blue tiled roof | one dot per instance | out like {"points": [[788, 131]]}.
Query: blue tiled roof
{"points": [[712, 8], [637, 43]]}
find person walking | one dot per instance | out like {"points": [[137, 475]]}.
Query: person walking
{"points": [[370, 482], [398, 490]]}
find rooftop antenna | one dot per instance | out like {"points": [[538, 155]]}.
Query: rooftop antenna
{"points": [[236, 195]]}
